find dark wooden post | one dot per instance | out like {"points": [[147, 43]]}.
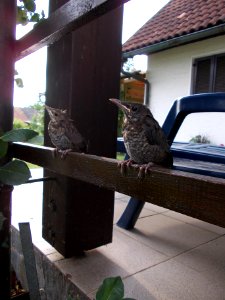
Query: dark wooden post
{"points": [[7, 36], [83, 72]]}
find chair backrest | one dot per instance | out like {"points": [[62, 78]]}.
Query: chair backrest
{"points": [[210, 102]]}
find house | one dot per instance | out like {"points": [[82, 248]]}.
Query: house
{"points": [[24, 114], [185, 45]]}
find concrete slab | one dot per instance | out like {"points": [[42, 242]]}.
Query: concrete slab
{"points": [[195, 222], [168, 256], [124, 257], [173, 281], [167, 235]]}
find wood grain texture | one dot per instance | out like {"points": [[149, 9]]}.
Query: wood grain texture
{"points": [[81, 76], [195, 195], [7, 39], [63, 20]]}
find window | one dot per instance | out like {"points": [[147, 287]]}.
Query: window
{"points": [[209, 74]]}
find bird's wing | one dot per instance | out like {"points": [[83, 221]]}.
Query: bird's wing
{"points": [[157, 137], [76, 138], [154, 132]]}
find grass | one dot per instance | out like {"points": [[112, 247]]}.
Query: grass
{"points": [[120, 156], [31, 166]]}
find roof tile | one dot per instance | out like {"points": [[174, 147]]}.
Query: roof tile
{"points": [[178, 17]]}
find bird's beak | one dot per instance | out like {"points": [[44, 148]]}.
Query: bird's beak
{"points": [[49, 110], [123, 107]]}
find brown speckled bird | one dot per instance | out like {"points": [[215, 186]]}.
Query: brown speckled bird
{"points": [[144, 139], [63, 134]]}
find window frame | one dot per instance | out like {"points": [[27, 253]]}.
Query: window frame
{"points": [[212, 76]]}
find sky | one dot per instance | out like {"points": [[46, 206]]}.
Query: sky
{"points": [[32, 69]]}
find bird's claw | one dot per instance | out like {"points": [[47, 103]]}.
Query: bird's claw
{"points": [[55, 152], [125, 164], [62, 153], [143, 170]]}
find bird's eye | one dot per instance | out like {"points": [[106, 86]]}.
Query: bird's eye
{"points": [[133, 108], [56, 114]]}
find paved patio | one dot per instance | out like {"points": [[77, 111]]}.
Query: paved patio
{"points": [[168, 256]]}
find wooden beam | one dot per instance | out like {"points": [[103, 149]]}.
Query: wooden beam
{"points": [[65, 19], [89, 47], [195, 195], [7, 39]]}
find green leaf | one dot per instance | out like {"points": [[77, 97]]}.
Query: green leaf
{"points": [[5, 243], [37, 140], [21, 17], [19, 135], [14, 173], [111, 289], [3, 148], [2, 220], [35, 17], [30, 5], [19, 82]]}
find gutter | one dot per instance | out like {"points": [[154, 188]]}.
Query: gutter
{"points": [[139, 78], [177, 41]]}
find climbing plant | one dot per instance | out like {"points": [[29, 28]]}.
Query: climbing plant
{"points": [[26, 12]]}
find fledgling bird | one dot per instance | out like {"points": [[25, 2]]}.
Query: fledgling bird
{"points": [[63, 133], [144, 139]]}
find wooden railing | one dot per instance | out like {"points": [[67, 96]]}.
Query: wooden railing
{"points": [[192, 194]]}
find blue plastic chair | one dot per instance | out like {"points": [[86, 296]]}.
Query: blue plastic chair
{"points": [[210, 102]]}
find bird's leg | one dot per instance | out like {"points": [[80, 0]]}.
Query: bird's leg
{"points": [[125, 164], [55, 152], [143, 169], [64, 153]]}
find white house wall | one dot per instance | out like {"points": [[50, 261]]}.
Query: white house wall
{"points": [[169, 74]]}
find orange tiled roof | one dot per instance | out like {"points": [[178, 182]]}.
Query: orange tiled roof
{"points": [[178, 18], [24, 114]]}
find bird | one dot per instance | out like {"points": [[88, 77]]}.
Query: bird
{"points": [[144, 140], [63, 133]]}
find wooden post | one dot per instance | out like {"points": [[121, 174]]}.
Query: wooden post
{"points": [[83, 72], [7, 37]]}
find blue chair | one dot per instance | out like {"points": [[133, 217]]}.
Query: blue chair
{"points": [[210, 102]]}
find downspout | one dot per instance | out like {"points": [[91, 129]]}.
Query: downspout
{"points": [[140, 78]]}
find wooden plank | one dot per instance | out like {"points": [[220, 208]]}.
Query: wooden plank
{"points": [[59, 72], [7, 37], [134, 90], [195, 195], [65, 19], [88, 50]]}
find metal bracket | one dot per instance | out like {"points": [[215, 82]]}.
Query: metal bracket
{"points": [[29, 260]]}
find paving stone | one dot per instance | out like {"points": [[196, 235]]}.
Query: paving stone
{"points": [[195, 222], [173, 281], [168, 235], [123, 257]]}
